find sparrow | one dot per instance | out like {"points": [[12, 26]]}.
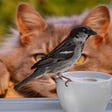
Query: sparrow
{"points": [[61, 58]]}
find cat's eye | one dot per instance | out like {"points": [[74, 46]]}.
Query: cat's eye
{"points": [[38, 56], [81, 59]]}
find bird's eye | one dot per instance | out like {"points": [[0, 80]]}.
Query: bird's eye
{"points": [[38, 56], [81, 59], [83, 30]]}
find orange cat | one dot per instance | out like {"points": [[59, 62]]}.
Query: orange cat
{"points": [[38, 37]]}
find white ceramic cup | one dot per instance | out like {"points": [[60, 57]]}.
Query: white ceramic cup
{"points": [[85, 95]]}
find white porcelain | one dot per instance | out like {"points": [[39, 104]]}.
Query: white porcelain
{"points": [[84, 96]]}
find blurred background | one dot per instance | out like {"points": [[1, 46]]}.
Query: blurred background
{"points": [[45, 8]]}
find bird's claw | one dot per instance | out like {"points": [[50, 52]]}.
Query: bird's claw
{"points": [[57, 78], [68, 80]]}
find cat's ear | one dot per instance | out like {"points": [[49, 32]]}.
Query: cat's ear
{"points": [[28, 19], [98, 19]]}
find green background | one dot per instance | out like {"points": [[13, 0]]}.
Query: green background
{"points": [[45, 8]]}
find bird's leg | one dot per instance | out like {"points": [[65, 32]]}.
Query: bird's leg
{"points": [[61, 77], [68, 80]]}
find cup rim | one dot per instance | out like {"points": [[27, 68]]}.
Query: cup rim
{"points": [[106, 75]]}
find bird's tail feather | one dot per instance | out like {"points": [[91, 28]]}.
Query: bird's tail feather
{"points": [[36, 73]]}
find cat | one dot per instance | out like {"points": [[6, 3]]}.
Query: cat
{"points": [[36, 37]]}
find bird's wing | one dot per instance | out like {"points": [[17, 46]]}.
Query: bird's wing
{"points": [[63, 51], [42, 62], [64, 43]]}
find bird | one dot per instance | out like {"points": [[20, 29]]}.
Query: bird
{"points": [[61, 58]]}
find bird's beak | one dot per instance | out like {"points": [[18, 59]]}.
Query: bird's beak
{"points": [[93, 32]]}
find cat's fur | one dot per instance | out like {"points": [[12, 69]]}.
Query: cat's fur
{"points": [[37, 35]]}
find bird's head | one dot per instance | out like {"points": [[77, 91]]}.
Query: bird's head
{"points": [[82, 32]]}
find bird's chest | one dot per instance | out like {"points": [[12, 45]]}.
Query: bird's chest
{"points": [[77, 51]]}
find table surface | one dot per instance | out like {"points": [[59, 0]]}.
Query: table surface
{"points": [[34, 105]]}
